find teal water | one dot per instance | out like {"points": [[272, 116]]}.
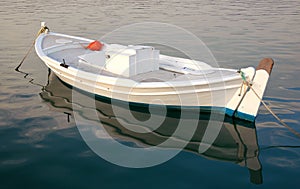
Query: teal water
{"points": [[41, 149]]}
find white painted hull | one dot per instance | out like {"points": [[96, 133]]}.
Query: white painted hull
{"points": [[209, 87]]}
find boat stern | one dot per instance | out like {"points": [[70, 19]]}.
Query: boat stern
{"points": [[251, 101]]}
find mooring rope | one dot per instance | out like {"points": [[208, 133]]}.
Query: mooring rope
{"points": [[270, 110], [42, 30], [249, 84]]}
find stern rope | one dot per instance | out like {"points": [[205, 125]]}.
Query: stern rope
{"points": [[249, 84]]}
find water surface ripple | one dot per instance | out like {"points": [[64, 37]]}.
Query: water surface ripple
{"points": [[39, 148]]}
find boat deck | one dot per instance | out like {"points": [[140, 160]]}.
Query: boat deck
{"points": [[65, 49]]}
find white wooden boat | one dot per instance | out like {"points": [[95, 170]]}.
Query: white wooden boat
{"points": [[142, 76]]}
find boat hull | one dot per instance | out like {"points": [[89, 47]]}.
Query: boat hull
{"points": [[220, 93]]}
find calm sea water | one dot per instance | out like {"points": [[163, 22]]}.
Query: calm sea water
{"points": [[39, 148]]}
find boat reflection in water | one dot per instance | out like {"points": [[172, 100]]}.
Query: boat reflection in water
{"points": [[236, 141]]}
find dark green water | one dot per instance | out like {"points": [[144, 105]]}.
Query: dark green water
{"points": [[39, 148]]}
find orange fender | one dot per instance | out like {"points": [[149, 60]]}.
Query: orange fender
{"points": [[95, 46]]}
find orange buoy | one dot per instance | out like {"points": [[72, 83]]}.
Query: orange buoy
{"points": [[95, 46]]}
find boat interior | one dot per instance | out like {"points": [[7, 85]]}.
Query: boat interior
{"points": [[138, 63]]}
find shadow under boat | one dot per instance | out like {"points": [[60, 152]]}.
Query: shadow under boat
{"points": [[236, 142]]}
